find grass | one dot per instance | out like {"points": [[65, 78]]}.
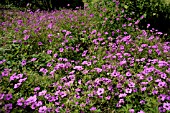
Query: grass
{"points": [[90, 60]]}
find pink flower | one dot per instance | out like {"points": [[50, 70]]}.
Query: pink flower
{"points": [[57, 92], [128, 90], [22, 80], [20, 75], [148, 25], [63, 94], [154, 92], [122, 95], [61, 50], [162, 84], [166, 106], [36, 88], [92, 108], [26, 37], [106, 33], [55, 55], [128, 74], [25, 31], [1, 96], [17, 85], [24, 62], [42, 109], [49, 35], [20, 101], [49, 51], [49, 64], [31, 100], [52, 72], [8, 96], [84, 63], [40, 43], [39, 103], [100, 91], [88, 63], [84, 53], [114, 74], [42, 93], [131, 110], [85, 71], [131, 84], [137, 22], [98, 70], [50, 26], [93, 32], [44, 71], [33, 59], [108, 97], [80, 68], [143, 89]]}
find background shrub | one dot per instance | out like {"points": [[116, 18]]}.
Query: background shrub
{"points": [[44, 4], [157, 13]]}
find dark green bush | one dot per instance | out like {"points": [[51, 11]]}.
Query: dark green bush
{"points": [[157, 13], [45, 4]]}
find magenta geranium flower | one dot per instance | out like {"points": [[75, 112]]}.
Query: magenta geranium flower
{"points": [[61, 50], [24, 62], [50, 26], [20, 101], [92, 108], [17, 85], [63, 94], [42, 109], [131, 84], [49, 51], [39, 103], [26, 37], [80, 68], [131, 110], [33, 59], [31, 99], [8, 96], [128, 90], [37, 88], [166, 106], [8, 107], [42, 93], [100, 91], [40, 43]]}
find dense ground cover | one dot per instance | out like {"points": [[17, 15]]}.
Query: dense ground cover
{"points": [[92, 60]]}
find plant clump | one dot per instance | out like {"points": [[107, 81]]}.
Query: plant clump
{"points": [[72, 61]]}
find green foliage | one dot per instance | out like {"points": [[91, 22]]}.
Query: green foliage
{"points": [[44, 4], [82, 51], [158, 13], [153, 12]]}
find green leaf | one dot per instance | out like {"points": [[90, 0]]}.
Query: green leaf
{"points": [[125, 6], [154, 14]]}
